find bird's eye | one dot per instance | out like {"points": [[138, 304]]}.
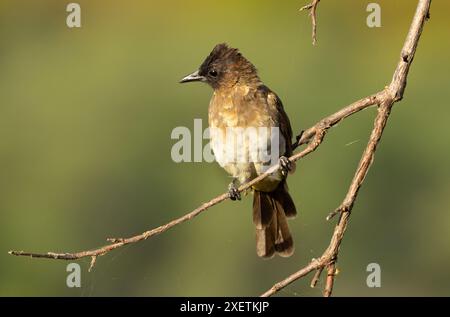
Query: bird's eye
{"points": [[213, 73]]}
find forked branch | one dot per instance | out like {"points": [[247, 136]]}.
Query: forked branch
{"points": [[312, 7], [385, 100]]}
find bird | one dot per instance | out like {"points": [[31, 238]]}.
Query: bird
{"points": [[240, 101]]}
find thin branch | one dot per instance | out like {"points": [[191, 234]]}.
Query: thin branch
{"points": [[313, 137], [313, 14], [329, 282], [393, 93], [316, 277]]}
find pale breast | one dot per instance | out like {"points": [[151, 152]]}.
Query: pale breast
{"points": [[242, 131]]}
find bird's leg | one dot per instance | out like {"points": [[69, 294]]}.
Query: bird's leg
{"points": [[233, 191], [285, 165]]}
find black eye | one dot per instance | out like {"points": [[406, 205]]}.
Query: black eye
{"points": [[213, 73]]}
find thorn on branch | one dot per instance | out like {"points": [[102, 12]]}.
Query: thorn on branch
{"points": [[91, 265]]}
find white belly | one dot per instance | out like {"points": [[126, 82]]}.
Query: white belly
{"points": [[247, 153]]}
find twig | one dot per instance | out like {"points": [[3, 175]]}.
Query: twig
{"points": [[391, 94], [313, 14], [316, 277], [329, 282]]}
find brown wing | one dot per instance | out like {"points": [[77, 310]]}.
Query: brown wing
{"points": [[280, 116], [285, 125]]}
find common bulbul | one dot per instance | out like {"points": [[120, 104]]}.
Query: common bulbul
{"points": [[241, 100]]}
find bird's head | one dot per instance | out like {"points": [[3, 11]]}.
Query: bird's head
{"points": [[223, 68]]}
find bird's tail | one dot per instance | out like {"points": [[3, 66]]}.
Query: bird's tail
{"points": [[270, 213]]}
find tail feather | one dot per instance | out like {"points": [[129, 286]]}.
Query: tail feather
{"points": [[282, 197], [265, 225], [270, 210], [284, 245]]}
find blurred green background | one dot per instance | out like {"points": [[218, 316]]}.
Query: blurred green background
{"points": [[85, 121]]}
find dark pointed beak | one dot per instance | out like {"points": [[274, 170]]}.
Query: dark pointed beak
{"points": [[192, 77]]}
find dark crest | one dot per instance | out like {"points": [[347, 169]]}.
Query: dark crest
{"points": [[224, 67], [226, 64]]}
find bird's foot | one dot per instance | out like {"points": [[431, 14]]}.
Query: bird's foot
{"points": [[285, 165], [233, 191]]}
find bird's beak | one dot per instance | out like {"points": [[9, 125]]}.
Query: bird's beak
{"points": [[192, 77]]}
